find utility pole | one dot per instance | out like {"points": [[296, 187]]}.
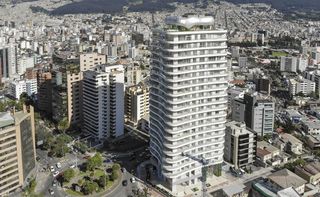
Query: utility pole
{"points": [[204, 170]]}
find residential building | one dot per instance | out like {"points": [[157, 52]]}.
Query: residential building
{"points": [[256, 111], [17, 148], [74, 97], [103, 101], [304, 86], [313, 141], [44, 96], [284, 178], [309, 172], [263, 86], [240, 144], [288, 64], [188, 99], [311, 126], [18, 87], [268, 155], [302, 64], [136, 103], [266, 189], [288, 143], [8, 61], [133, 75], [90, 60]]}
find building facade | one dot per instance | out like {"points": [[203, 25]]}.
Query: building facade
{"points": [[303, 86], [17, 149], [188, 99], [136, 103], [103, 101], [240, 144]]}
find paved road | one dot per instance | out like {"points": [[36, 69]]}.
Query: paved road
{"points": [[123, 191]]}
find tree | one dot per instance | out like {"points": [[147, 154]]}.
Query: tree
{"points": [[89, 187], [102, 182], [68, 175], [115, 167], [64, 139], [82, 147], [114, 175], [63, 125], [94, 162]]}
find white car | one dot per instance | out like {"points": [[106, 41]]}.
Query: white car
{"points": [[73, 166], [58, 165], [51, 168], [51, 192], [56, 173], [133, 180]]}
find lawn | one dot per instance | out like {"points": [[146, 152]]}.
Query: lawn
{"points": [[279, 53], [73, 193]]}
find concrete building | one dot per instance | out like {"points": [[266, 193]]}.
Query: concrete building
{"points": [[288, 143], [309, 172], [44, 96], [288, 64], [304, 86], [283, 179], [136, 103], [188, 100], [311, 127], [256, 111], [133, 75], [8, 61], [240, 144], [18, 87], [74, 98], [17, 149], [103, 101], [90, 60], [302, 64]]}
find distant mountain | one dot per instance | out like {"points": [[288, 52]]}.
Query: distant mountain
{"points": [[113, 6]]}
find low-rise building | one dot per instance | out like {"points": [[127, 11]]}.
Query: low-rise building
{"points": [[310, 172], [240, 144], [313, 141], [268, 155], [288, 143], [311, 127], [302, 85], [284, 178], [18, 87], [293, 115]]}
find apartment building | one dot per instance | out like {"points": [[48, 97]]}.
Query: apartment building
{"points": [[136, 103], [304, 86], [17, 149], [188, 99], [240, 144], [103, 101]]}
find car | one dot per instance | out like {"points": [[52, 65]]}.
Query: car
{"points": [[73, 166], [54, 183], [133, 180], [58, 165], [51, 192], [51, 168], [125, 183], [123, 170], [56, 173]]}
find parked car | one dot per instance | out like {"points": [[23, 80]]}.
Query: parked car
{"points": [[125, 183], [58, 165], [51, 192], [56, 173], [51, 168], [133, 180]]}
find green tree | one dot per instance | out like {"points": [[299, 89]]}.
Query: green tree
{"points": [[94, 162], [102, 182], [63, 125], [82, 147], [115, 167], [114, 175], [68, 175], [64, 139], [89, 187]]}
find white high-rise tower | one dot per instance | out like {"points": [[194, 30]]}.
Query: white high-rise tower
{"points": [[188, 99]]}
